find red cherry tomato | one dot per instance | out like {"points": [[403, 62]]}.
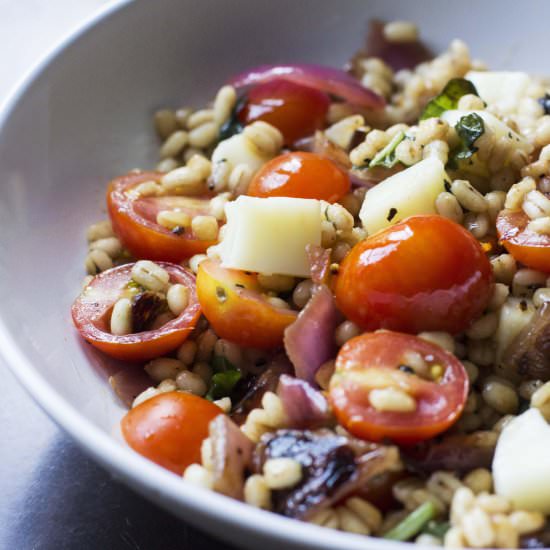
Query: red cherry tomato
{"points": [[425, 273], [91, 314], [526, 246], [301, 175], [232, 302], [296, 110], [379, 360], [170, 428], [134, 220]]}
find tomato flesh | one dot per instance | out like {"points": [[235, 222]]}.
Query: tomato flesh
{"points": [[232, 302], [526, 246], [91, 314], [134, 220], [301, 175], [425, 273], [170, 428], [296, 110], [372, 361]]}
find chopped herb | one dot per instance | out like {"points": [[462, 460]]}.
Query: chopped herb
{"points": [[222, 384], [386, 157], [413, 523], [448, 98], [220, 294], [406, 368], [545, 103], [233, 125], [178, 230], [391, 214], [437, 528], [469, 129], [221, 364]]}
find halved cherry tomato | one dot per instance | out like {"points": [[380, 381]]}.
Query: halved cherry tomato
{"points": [[526, 246], [425, 273], [92, 310], [296, 110], [380, 360], [170, 428], [301, 175], [134, 220], [232, 302]]}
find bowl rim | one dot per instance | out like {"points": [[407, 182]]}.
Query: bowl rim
{"points": [[133, 469]]}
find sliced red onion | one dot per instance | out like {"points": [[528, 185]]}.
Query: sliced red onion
{"points": [[305, 407], [231, 456], [327, 79], [319, 263], [309, 341]]}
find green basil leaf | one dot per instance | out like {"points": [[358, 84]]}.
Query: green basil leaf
{"points": [[469, 129], [448, 98], [386, 157], [221, 364], [222, 384]]}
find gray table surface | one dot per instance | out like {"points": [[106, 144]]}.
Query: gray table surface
{"points": [[53, 497]]}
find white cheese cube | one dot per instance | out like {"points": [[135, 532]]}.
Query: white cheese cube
{"points": [[239, 149], [270, 235], [499, 128], [521, 467], [407, 193], [501, 89]]}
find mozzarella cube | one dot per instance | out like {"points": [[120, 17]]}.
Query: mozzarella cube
{"points": [[501, 89], [521, 469], [270, 235], [499, 128], [407, 193]]}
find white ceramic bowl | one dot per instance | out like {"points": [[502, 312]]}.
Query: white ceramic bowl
{"points": [[84, 115]]}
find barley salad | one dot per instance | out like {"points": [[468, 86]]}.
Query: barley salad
{"points": [[333, 288]]}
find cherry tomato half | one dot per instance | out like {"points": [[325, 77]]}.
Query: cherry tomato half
{"points": [[300, 175], [379, 360], [232, 302], [134, 220], [425, 273], [170, 428], [526, 246], [296, 110], [92, 310]]}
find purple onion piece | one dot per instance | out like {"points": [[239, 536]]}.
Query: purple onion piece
{"points": [[327, 79], [309, 341]]}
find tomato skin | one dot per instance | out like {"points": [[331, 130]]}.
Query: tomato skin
{"points": [[425, 273], [170, 428], [527, 247], [135, 225], [91, 316], [301, 175], [366, 357], [240, 313], [296, 110]]}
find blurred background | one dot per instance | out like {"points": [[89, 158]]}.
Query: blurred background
{"points": [[51, 495]]}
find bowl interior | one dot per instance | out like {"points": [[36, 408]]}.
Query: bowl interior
{"points": [[85, 117]]}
